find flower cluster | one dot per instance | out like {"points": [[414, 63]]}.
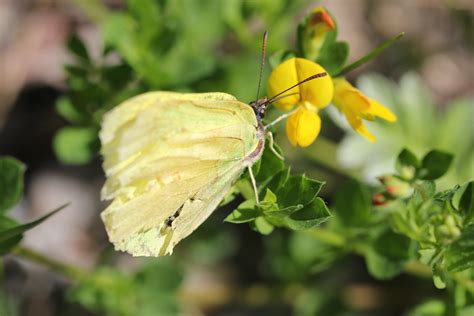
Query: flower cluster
{"points": [[306, 100]]}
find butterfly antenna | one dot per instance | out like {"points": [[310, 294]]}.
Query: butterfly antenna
{"points": [[318, 75], [262, 64]]}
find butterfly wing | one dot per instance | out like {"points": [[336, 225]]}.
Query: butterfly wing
{"points": [[169, 159]]}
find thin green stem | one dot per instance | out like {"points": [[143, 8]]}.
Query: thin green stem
{"points": [[36, 257], [369, 56], [463, 281], [337, 240], [451, 301], [327, 236]]}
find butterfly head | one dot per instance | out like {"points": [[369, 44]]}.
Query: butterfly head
{"points": [[259, 106]]}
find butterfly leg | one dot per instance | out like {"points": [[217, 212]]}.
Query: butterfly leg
{"points": [[254, 184], [271, 145], [278, 119]]}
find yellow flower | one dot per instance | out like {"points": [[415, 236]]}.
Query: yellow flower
{"points": [[303, 127], [356, 106], [304, 124], [315, 29]]}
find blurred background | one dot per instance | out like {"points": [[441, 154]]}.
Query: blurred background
{"points": [[222, 269]]}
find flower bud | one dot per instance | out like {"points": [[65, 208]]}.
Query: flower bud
{"points": [[395, 187], [315, 29], [379, 199], [447, 231], [407, 173]]}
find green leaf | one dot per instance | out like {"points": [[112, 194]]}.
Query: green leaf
{"points": [[460, 254], [11, 182], [280, 56], [269, 202], [76, 46], [117, 76], [352, 203], [334, 58], [435, 164], [245, 212], [109, 291], [463, 200], [105, 290], [298, 190], [429, 308], [6, 234], [369, 56], [75, 145], [394, 246], [381, 267], [66, 109], [389, 255], [278, 216], [79, 72], [8, 244], [269, 165], [262, 226], [278, 181], [406, 159], [308, 217], [439, 282]]}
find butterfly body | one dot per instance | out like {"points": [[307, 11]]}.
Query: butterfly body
{"points": [[170, 158]]}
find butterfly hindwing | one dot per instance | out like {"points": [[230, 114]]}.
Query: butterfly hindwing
{"points": [[170, 159]]}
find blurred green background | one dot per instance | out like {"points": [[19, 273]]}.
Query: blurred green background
{"points": [[184, 45]]}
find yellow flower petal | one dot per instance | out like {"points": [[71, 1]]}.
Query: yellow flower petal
{"points": [[318, 92], [377, 109], [358, 125], [302, 127], [346, 95], [356, 106]]}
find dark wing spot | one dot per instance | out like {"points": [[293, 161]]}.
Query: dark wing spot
{"points": [[169, 221]]}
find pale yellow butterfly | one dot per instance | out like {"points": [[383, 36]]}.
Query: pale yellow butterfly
{"points": [[170, 158]]}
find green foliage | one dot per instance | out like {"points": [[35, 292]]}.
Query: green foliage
{"points": [[75, 145], [11, 232], [352, 203], [285, 200], [149, 291], [164, 45], [435, 164], [95, 86], [7, 305], [334, 56], [9, 241], [11, 182], [323, 48], [460, 254], [11, 190], [428, 308], [389, 254]]}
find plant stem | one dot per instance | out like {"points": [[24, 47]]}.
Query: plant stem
{"points": [[36, 257], [369, 56], [337, 240], [327, 236], [451, 301]]}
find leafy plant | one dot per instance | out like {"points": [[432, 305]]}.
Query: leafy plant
{"points": [[11, 191]]}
